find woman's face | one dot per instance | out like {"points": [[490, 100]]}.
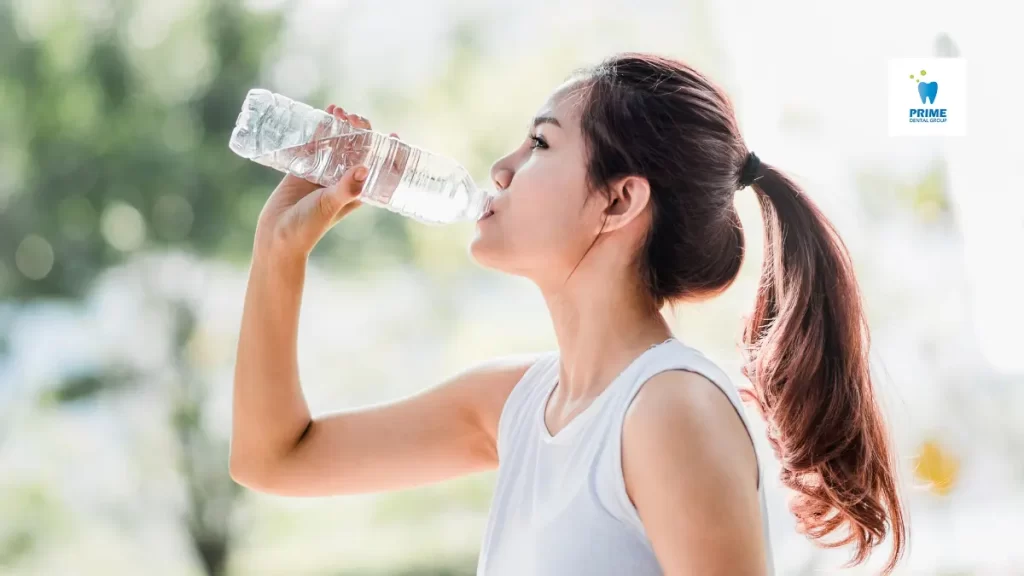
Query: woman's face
{"points": [[544, 218]]}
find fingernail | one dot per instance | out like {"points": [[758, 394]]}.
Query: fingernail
{"points": [[360, 174]]}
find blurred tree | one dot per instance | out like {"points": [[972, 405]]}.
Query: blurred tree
{"points": [[117, 142], [114, 135], [201, 455], [108, 156], [114, 141], [212, 493]]}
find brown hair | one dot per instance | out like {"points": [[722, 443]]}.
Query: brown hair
{"points": [[807, 340]]}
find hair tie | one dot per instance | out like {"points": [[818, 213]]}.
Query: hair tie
{"points": [[750, 170]]}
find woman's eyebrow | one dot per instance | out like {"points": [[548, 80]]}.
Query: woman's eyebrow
{"points": [[546, 120]]}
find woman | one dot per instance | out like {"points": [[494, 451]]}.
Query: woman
{"points": [[624, 451]]}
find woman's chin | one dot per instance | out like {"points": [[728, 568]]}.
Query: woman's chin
{"points": [[482, 252]]}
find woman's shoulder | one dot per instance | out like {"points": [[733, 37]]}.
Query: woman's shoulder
{"points": [[689, 398], [699, 367], [688, 412]]}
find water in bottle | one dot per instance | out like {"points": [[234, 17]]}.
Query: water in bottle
{"points": [[293, 137]]}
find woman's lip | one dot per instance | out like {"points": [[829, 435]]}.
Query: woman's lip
{"points": [[486, 215]]}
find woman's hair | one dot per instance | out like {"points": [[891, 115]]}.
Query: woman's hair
{"points": [[807, 340]]}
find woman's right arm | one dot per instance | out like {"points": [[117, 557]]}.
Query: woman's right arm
{"points": [[277, 446]]}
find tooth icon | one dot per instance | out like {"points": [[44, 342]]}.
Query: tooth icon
{"points": [[927, 90]]}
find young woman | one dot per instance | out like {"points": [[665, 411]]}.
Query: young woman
{"points": [[625, 451]]}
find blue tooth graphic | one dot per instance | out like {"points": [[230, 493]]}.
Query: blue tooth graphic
{"points": [[927, 90]]}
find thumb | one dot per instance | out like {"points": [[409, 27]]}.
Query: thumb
{"points": [[332, 201], [315, 213]]}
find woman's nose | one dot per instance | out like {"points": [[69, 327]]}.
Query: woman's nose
{"points": [[501, 176]]}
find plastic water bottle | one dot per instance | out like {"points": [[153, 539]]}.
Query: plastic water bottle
{"points": [[293, 137]]}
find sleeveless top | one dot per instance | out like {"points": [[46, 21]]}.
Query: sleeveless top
{"points": [[560, 505]]}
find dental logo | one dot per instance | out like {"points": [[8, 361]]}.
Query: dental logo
{"points": [[928, 91], [933, 102]]}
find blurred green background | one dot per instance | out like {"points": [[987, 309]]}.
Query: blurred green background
{"points": [[126, 226]]}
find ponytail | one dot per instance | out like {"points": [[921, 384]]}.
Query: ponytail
{"points": [[807, 358]]}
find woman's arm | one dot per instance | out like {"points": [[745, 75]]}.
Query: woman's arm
{"points": [[276, 445], [691, 471]]}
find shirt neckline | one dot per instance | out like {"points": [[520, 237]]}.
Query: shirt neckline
{"points": [[579, 421]]}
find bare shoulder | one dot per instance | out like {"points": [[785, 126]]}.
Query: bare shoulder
{"points": [[683, 414], [691, 472]]}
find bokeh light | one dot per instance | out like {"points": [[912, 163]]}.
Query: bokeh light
{"points": [[123, 226], [34, 257]]}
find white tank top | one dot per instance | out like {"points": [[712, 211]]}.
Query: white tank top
{"points": [[560, 505]]}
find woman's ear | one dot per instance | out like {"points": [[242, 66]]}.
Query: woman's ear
{"points": [[627, 199]]}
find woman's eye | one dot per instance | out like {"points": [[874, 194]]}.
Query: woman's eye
{"points": [[537, 142]]}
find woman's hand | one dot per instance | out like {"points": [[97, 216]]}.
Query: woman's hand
{"points": [[298, 212]]}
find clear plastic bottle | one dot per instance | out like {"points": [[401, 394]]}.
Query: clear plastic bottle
{"points": [[293, 137]]}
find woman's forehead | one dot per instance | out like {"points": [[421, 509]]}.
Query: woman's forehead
{"points": [[565, 102]]}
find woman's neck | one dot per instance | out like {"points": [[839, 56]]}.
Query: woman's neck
{"points": [[600, 326]]}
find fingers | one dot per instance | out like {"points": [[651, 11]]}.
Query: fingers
{"points": [[359, 122], [355, 120]]}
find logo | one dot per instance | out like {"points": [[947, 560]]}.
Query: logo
{"points": [[928, 91], [918, 107]]}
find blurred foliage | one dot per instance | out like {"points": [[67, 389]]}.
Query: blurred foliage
{"points": [[107, 156], [29, 515], [87, 386], [112, 148], [201, 456], [114, 133]]}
